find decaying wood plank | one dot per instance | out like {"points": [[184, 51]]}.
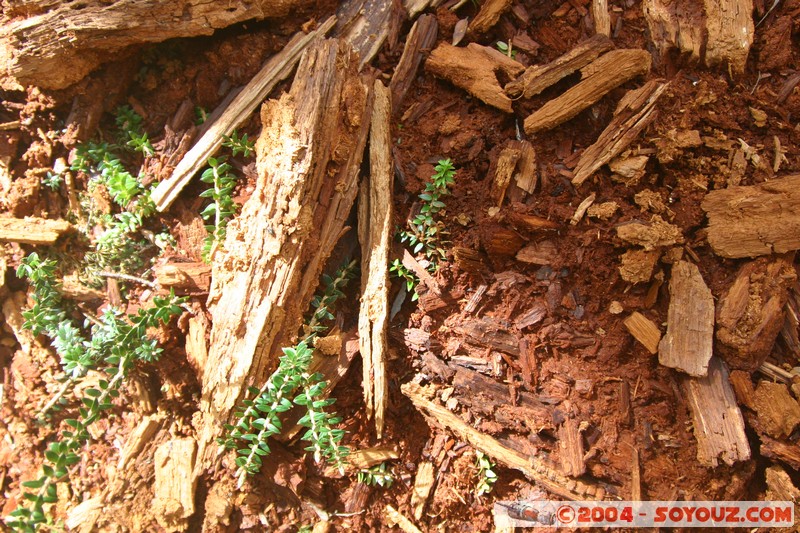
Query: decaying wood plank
{"points": [[308, 159], [755, 220], [532, 467], [537, 78], [423, 484], [634, 113], [751, 313], [717, 420], [419, 42], [277, 68], [475, 69], [690, 322], [489, 332], [174, 488], [488, 16], [60, 47], [777, 412], [644, 330], [32, 230], [375, 227], [570, 445], [193, 277], [599, 77], [365, 25]]}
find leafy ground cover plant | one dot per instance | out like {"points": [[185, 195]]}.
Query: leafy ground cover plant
{"points": [[486, 474], [257, 419]]}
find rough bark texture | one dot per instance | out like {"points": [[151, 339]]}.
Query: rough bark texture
{"points": [[755, 220], [32, 230], [308, 158], [488, 16], [60, 47], [174, 490], [644, 330], [419, 42]]}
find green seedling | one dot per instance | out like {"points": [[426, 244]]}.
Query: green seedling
{"points": [[486, 474]]}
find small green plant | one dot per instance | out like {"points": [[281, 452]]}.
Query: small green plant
{"points": [[258, 418], [401, 271], [114, 345], [52, 180], [200, 115], [238, 144], [377, 475], [506, 49], [129, 124], [222, 207], [486, 474]]}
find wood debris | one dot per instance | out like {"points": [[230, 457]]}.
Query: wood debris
{"points": [[787, 453], [423, 484], [475, 70], [196, 343], [600, 17], [369, 457], [598, 78], [419, 42], [777, 412], [396, 518], [780, 487], [650, 236], [687, 345], [570, 444], [717, 420], [644, 330], [755, 220], [259, 293], [174, 487], [633, 114], [32, 230], [375, 211], [277, 68], [637, 266], [539, 253], [581, 210], [192, 277], [488, 16]]}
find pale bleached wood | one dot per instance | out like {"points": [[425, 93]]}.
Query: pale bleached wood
{"points": [[755, 220], [196, 344], [396, 518], [570, 445], [423, 484], [488, 16], [32, 230], [475, 69], [633, 114], [690, 322], [717, 421], [599, 77], [419, 42], [643, 330], [193, 277], [537, 78], [534, 468], [778, 413], [602, 21], [58, 48], [375, 233], [308, 157], [232, 114], [415, 7], [174, 488], [365, 25], [730, 31]]}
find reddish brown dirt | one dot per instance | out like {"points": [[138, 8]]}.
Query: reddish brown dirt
{"points": [[578, 342]]}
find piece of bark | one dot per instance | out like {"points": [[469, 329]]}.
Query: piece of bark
{"points": [[656, 234], [730, 32], [504, 169], [488, 16], [84, 516], [369, 457], [676, 24], [537, 78], [636, 476], [532, 316], [193, 277], [581, 209], [525, 176], [599, 77], [637, 266], [232, 114], [475, 299], [751, 312], [780, 487], [687, 345], [777, 412], [196, 344], [601, 18], [501, 241], [570, 444], [488, 331], [532, 467], [365, 24], [58, 48], [742, 385], [787, 453], [419, 43], [469, 260], [396, 518], [375, 227], [539, 253], [174, 485], [423, 484], [475, 70], [790, 333], [625, 408], [32, 230], [411, 263], [754, 220], [138, 438], [415, 7], [633, 114], [644, 330], [308, 158], [531, 222], [717, 420]]}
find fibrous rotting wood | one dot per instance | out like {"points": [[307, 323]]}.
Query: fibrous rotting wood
{"points": [[475, 69], [173, 503], [718, 31], [419, 43], [488, 16], [717, 420], [570, 444], [634, 113], [375, 227], [32, 230], [537, 78], [601, 18], [365, 25], [58, 48], [191, 277], [644, 330], [749, 221], [687, 345], [232, 114], [777, 412], [489, 332], [751, 313], [308, 158], [532, 467], [785, 452], [598, 78]]}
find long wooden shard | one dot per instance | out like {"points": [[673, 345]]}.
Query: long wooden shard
{"points": [[419, 42], [32, 230], [60, 47], [308, 159], [274, 70], [375, 233]]}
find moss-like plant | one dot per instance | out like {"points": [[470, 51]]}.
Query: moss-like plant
{"points": [[222, 208]]}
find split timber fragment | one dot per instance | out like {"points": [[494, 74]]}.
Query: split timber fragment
{"points": [[419, 43], [32, 230]]}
